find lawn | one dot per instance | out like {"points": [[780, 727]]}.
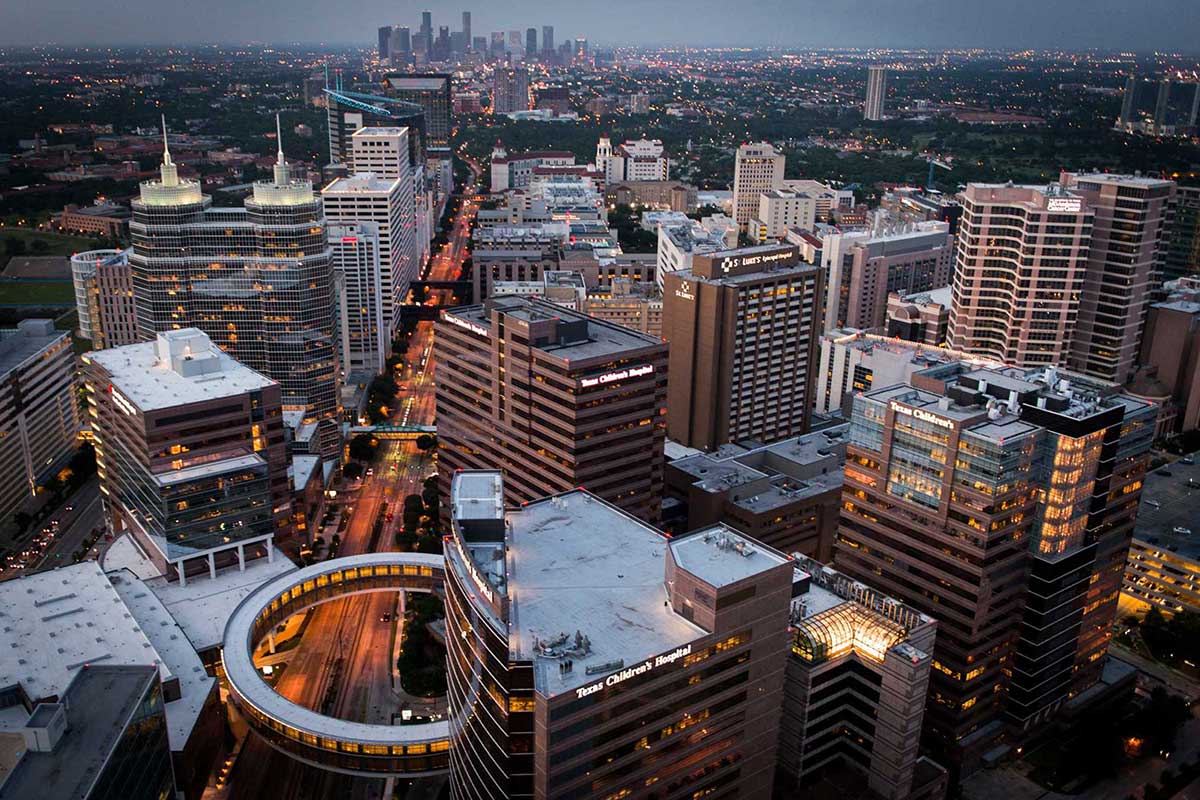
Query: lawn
{"points": [[56, 244], [37, 293]]}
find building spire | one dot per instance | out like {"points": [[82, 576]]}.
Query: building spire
{"points": [[170, 175], [281, 168]]}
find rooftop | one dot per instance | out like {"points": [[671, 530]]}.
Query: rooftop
{"points": [[180, 368], [102, 699], [720, 556], [360, 183], [26, 341], [561, 579]]}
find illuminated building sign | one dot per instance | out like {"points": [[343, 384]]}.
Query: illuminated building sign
{"points": [[483, 586], [619, 375], [1064, 204], [685, 292], [923, 415], [466, 325], [634, 671], [749, 260]]}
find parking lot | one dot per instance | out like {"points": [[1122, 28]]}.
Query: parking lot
{"points": [[1169, 502]]}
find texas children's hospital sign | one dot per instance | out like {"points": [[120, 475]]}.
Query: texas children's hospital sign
{"points": [[635, 670]]}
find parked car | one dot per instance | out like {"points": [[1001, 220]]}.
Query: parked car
{"points": [[1182, 531]]}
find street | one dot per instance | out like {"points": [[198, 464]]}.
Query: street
{"points": [[344, 664]]}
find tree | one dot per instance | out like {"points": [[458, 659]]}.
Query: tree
{"points": [[14, 246], [425, 442], [353, 470], [363, 447]]}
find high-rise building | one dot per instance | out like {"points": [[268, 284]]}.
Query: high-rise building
{"points": [[347, 112], [516, 43], [679, 643], [426, 33], [497, 45], [401, 47], [385, 41], [258, 280], [39, 413], [190, 449], [531, 47], [635, 160], [779, 210], [1163, 107], [1002, 502], [555, 398], [466, 28], [479, 44], [510, 90], [547, 38], [743, 331], [365, 336], [876, 93], [679, 244], [863, 267], [1130, 214], [1020, 258], [431, 91], [104, 297], [1181, 246], [757, 168]]}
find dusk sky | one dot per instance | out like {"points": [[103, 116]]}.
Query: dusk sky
{"points": [[1168, 25]]}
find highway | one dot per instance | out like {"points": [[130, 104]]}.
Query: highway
{"points": [[343, 666]]}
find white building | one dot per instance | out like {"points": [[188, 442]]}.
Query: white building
{"points": [[365, 336], [757, 168], [780, 209], [677, 244], [876, 93], [827, 198], [368, 198], [516, 171], [635, 160]]}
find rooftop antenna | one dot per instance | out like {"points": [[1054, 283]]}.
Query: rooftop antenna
{"points": [[281, 167], [170, 175]]}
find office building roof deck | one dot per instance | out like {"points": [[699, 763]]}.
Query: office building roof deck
{"points": [[602, 339], [179, 368], [360, 183], [102, 699], [575, 563], [20, 344], [720, 556]]}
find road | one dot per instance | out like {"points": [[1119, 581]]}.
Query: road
{"points": [[343, 667], [76, 526]]}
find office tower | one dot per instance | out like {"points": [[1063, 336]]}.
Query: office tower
{"points": [[365, 336], [1020, 258], [828, 199], [1122, 270], [634, 160], [386, 202], [441, 47], [1181, 242], [479, 44], [426, 33], [863, 267], [757, 168], [81, 745], [516, 43], [104, 297], [262, 290], [1000, 501], [555, 398], [401, 48], [581, 49], [347, 112], [548, 39], [39, 413], [778, 211], [510, 90], [680, 643], [1164, 107], [680, 243], [190, 450], [431, 91], [385, 40], [876, 93], [855, 690], [497, 48], [458, 45], [743, 331], [466, 28], [531, 47]]}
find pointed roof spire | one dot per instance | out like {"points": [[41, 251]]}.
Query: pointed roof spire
{"points": [[282, 174], [168, 171], [279, 139]]}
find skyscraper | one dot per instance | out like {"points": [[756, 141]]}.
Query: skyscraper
{"points": [[426, 33], [742, 325], [531, 47], [1020, 257], [347, 112], [757, 168], [1181, 248], [516, 44], [510, 89], [497, 45], [365, 336], [555, 398], [104, 297], [385, 40], [1122, 270], [1001, 502], [547, 38], [258, 280], [876, 93], [431, 91], [401, 49], [466, 27]]}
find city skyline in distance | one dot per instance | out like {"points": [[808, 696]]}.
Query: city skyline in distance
{"points": [[1164, 25]]}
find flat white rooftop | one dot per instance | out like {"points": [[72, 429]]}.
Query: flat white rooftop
{"points": [[720, 556], [151, 383], [575, 563]]}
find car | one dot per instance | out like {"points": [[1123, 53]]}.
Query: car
{"points": [[370, 470], [1153, 503], [69, 509], [1189, 460], [387, 617], [1182, 531], [1166, 473]]}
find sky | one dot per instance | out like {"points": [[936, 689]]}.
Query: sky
{"points": [[1142, 25]]}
